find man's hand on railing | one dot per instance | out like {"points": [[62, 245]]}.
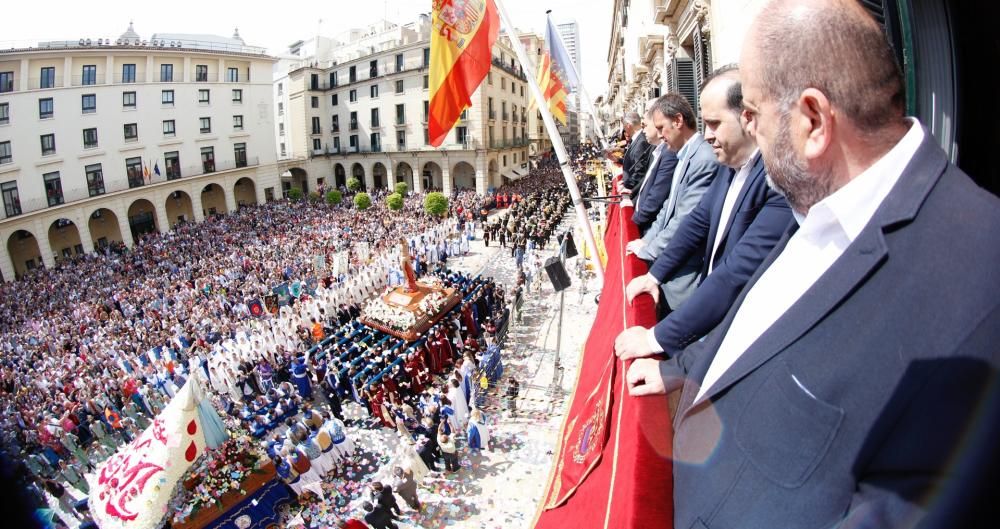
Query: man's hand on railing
{"points": [[633, 343], [645, 283], [634, 246]]}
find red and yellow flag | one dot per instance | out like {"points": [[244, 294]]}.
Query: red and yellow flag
{"points": [[556, 74], [462, 38]]}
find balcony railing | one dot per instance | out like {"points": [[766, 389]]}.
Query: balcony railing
{"points": [[35, 83], [88, 80], [493, 114], [506, 116], [205, 77], [382, 71], [506, 67], [139, 77]]}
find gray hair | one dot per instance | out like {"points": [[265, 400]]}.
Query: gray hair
{"points": [[632, 118], [836, 48]]}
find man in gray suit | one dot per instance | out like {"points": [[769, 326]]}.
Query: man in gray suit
{"points": [[696, 168], [854, 382]]}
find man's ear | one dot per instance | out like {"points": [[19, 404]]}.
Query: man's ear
{"points": [[814, 124]]}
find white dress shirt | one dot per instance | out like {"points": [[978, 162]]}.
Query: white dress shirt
{"points": [[735, 188], [824, 234], [652, 167]]}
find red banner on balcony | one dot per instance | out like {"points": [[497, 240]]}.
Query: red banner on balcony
{"points": [[614, 452]]}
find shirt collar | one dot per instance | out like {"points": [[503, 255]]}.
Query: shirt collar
{"points": [[853, 205], [635, 135], [687, 145]]}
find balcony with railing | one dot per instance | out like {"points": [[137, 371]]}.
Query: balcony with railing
{"points": [[354, 125], [88, 80], [35, 83], [506, 116], [516, 72], [493, 115], [137, 78], [205, 77], [383, 70], [380, 148]]}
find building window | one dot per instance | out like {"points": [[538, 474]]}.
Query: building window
{"points": [[373, 69], [399, 62], [461, 135], [5, 153], [89, 75], [240, 152], [354, 121], [399, 86], [168, 127], [401, 140], [48, 78], [204, 96], [128, 99], [208, 159], [95, 180], [352, 74], [333, 100], [45, 108], [353, 142], [11, 200], [172, 161], [201, 73], [89, 138], [167, 97], [489, 77], [336, 124], [6, 81], [317, 145], [353, 96], [374, 91], [314, 102], [336, 144], [333, 79], [48, 144], [205, 125], [128, 73], [426, 110], [315, 125], [376, 142], [281, 129], [281, 88], [237, 95], [281, 109], [503, 83], [233, 75], [131, 132], [427, 82], [375, 120], [89, 103], [4, 113], [133, 170], [237, 122], [427, 57], [53, 188], [283, 152], [400, 114], [427, 137], [166, 73]]}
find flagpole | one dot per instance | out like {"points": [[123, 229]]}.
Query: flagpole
{"points": [[557, 143], [583, 92]]}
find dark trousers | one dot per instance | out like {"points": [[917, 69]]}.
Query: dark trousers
{"points": [[451, 461]]}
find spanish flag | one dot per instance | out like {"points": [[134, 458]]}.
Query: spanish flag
{"points": [[556, 75], [462, 36]]}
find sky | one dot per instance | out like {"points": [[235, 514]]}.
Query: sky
{"points": [[276, 25]]}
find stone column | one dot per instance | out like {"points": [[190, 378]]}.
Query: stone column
{"points": [[446, 178], [199, 215], [482, 173], [44, 248], [390, 179], [230, 195], [369, 178], [6, 265], [86, 239], [124, 228], [162, 222], [418, 176]]}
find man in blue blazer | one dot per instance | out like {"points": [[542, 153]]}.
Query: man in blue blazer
{"points": [[854, 381], [654, 188], [696, 168], [735, 225]]}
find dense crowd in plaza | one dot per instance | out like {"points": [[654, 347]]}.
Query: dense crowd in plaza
{"points": [[94, 348]]}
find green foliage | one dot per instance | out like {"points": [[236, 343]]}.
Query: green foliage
{"points": [[362, 201], [436, 204], [314, 197], [353, 184], [334, 197], [394, 201], [295, 194], [402, 188]]}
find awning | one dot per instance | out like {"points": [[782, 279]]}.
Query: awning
{"points": [[511, 175], [521, 173]]}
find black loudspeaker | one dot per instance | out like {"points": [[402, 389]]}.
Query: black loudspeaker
{"points": [[557, 273], [570, 245]]}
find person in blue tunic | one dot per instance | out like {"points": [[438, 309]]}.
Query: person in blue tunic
{"points": [[300, 377], [478, 433]]}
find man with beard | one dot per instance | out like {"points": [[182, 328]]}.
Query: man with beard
{"points": [[853, 382]]}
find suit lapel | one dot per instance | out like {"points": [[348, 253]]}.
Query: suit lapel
{"points": [[715, 212], [852, 269]]}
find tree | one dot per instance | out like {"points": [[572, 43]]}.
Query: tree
{"points": [[402, 188], [394, 201], [334, 197], [353, 184], [295, 194], [314, 196], [436, 204], [362, 201]]}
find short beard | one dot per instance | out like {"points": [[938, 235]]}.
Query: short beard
{"points": [[788, 173]]}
